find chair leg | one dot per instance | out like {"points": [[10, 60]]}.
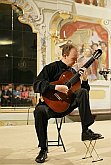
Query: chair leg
{"points": [[59, 140], [91, 151], [59, 135]]}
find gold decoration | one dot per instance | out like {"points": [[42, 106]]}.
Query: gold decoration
{"points": [[56, 37], [64, 15]]}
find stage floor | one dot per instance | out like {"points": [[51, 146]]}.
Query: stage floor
{"points": [[18, 145]]}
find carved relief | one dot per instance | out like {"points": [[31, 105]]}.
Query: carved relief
{"points": [[32, 15]]}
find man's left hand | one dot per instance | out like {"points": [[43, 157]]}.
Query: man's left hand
{"points": [[84, 74]]}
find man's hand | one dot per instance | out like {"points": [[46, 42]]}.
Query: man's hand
{"points": [[83, 73], [62, 88]]}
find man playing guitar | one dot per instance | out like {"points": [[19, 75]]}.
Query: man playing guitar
{"points": [[79, 98]]}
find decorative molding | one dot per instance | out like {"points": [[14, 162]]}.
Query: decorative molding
{"points": [[106, 22], [64, 15], [32, 15], [42, 31]]}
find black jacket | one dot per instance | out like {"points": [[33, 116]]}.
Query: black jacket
{"points": [[51, 73]]}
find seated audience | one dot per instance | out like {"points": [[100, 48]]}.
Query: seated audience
{"points": [[6, 96]]}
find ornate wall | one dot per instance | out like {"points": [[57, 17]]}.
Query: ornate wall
{"points": [[48, 19]]}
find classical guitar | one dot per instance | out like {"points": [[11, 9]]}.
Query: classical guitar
{"points": [[60, 102]]}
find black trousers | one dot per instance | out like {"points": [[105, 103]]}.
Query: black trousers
{"points": [[43, 113]]}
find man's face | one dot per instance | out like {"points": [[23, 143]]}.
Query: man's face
{"points": [[72, 57]]}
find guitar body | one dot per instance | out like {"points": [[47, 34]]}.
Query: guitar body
{"points": [[58, 101]]}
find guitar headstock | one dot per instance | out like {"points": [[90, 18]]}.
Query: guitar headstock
{"points": [[97, 54]]}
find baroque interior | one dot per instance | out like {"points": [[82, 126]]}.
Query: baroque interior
{"points": [[56, 23]]}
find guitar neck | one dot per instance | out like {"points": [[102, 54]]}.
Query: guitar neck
{"points": [[89, 62], [73, 80]]}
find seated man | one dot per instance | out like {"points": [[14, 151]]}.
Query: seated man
{"points": [[6, 96], [79, 98]]}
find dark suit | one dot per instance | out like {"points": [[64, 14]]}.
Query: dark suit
{"points": [[42, 112]]}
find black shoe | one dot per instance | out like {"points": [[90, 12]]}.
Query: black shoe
{"points": [[90, 135], [42, 156]]}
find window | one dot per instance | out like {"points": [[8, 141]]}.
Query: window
{"points": [[18, 50]]}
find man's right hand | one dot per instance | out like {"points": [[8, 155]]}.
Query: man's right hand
{"points": [[62, 88]]}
